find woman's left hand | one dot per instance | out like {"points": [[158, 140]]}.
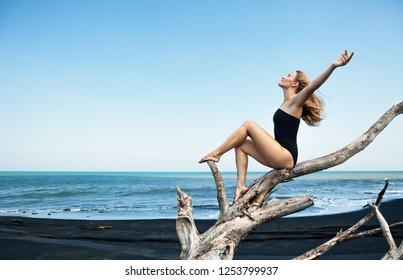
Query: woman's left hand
{"points": [[343, 60]]}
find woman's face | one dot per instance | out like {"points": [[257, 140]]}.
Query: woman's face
{"points": [[288, 80]]}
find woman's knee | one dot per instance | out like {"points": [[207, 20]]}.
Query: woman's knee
{"points": [[248, 124], [244, 147]]}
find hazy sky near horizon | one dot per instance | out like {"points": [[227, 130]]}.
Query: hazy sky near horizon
{"points": [[154, 85]]}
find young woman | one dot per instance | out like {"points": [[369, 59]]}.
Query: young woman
{"points": [[280, 152]]}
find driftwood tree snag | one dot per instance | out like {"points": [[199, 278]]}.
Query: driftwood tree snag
{"points": [[343, 235], [221, 194], [235, 222], [394, 252], [385, 228], [221, 240], [185, 226]]}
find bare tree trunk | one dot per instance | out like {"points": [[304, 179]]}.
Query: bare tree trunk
{"points": [[236, 221]]}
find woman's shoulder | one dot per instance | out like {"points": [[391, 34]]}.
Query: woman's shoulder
{"points": [[292, 108]]}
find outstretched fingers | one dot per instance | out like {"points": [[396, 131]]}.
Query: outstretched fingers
{"points": [[346, 58]]}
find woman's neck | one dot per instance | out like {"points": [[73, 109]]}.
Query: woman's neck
{"points": [[288, 94]]}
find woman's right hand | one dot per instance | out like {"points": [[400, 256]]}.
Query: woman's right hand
{"points": [[343, 60]]}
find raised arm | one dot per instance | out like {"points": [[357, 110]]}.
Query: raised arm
{"points": [[304, 94]]}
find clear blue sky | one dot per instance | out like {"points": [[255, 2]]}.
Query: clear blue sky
{"points": [[154, 85]]}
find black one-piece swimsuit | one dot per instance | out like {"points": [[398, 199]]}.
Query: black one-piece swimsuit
{"points": [[285, 132]]}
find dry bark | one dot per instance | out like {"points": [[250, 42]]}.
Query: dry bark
{"points": [[236, 221]]}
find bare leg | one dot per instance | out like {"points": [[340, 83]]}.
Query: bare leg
{"points": [[236, 139], [241, 155], [241, 167], [262, 147]]}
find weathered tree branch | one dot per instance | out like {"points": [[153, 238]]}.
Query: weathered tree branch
{"points": [[237, 220], [221, 240], [372, 231], [347, 234], [385, 228], [185, 226], [221, 194], [394, 252]]}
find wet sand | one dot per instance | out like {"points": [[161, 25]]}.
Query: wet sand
{"points": [[52, 239]]}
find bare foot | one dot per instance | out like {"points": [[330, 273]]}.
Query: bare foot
{"points": [[259, 199], [240, 191], [210, 157]]}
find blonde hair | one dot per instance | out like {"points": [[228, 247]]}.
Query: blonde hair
{"points": [[312, 111]]}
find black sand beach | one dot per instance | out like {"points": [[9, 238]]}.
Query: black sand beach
{"points": [[283, 239]]}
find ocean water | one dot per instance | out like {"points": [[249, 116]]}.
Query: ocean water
{"points": [[152, 195]]}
